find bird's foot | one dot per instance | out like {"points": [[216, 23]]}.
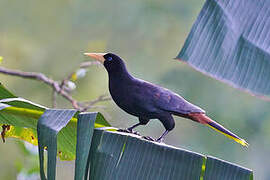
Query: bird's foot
{"points": [[148, 138], [133, 132], [159, 140], [129, 131]]}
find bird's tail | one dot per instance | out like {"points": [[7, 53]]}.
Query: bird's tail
{"points": [[203, 119]]}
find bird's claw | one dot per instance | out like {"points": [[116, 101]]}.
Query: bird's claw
{"points": [[123, 130], [128, 131], [159, 140], [148, 138], [136, 133], [133, 132]]}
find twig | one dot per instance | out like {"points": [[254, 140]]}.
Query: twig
{"points": [[90, 104], [83, 65], [31, 75], [59, 88], [54, 94], [103, 97], [41, 77]]}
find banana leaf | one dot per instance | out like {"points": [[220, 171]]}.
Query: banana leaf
{"points": [[22, 117], [106, 155], [114, 155], [223, 170], [102, 154], [230, 41]]}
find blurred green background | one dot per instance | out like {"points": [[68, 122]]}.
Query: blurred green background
{"points": [[51, 36]]}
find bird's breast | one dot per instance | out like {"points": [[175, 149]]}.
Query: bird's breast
{"points": [[123, 99], [131, 99]]}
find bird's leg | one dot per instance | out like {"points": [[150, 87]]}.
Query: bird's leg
{"points": [[130, 129], [160, 139]]}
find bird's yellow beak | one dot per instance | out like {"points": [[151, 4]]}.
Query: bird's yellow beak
{"points": [[97, 56]]}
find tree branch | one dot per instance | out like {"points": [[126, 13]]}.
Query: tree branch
{"points": [[90, 104], [59, 88], [28, 75], [54, 94]]}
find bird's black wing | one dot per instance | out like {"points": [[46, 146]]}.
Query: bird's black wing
{"points": [[167, 100]]}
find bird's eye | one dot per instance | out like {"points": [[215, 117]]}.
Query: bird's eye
{"points": [[109, 58]]}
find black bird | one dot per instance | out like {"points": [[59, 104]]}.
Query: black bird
{"points": [[149, 101]]}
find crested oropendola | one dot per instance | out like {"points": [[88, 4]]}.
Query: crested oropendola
{"points": [[149, 101]]}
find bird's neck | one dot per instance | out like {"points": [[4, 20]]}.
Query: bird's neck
{"points": [[120, 75]]}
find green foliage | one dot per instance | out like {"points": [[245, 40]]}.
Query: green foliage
{"points": [[22, 115], [85, 131], [49, 124], [104, 154], [229, 41], [112, 155], [119, 156], [147, 34], [222, 170]]}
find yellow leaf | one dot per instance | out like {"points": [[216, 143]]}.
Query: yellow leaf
{"points": [[26, 134]]}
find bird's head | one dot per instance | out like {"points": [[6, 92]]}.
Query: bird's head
{"points": [[111, 62]]}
